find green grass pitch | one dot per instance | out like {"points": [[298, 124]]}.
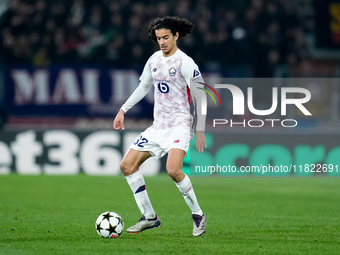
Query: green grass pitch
{"points": [[56, 215]]}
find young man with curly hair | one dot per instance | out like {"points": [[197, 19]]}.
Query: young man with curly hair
{"points": [[176, 80]]}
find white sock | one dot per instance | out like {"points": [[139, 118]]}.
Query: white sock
{"points": [[188, 193], [137, 185]]}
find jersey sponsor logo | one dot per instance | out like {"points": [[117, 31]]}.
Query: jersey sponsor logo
{"points": [[196, 73], [163, 87], [172, 71]]}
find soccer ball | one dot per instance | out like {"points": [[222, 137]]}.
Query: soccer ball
{"points": [[109, 225]]}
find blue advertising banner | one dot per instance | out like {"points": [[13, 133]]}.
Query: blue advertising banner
{"points": [[74, 91]]}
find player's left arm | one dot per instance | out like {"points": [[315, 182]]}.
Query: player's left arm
{"points": [[199, 97], [195, 82]]}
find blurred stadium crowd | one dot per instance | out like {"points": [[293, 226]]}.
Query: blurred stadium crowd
{"points": [[248, 37]]}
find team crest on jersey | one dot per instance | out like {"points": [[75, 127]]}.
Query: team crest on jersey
{"points": [[172, 71], [154, 69], [196, 73]]}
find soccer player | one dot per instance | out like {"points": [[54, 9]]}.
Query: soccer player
{"points": [[176, 80]]}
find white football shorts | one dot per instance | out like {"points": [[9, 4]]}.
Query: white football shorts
{"points": [[160, 141]]}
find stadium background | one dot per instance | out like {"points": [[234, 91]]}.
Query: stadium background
{"points": [[67, 67]]}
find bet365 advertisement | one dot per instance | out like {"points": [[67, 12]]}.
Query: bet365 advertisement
{"points": [[64, 152]]}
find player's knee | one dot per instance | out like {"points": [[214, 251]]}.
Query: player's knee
{"points": [[173, 172], [123, 166], [126, 168]]}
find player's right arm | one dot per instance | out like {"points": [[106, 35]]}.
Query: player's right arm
{"points": [[145, 85], [140, 92]]}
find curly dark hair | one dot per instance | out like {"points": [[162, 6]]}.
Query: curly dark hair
{"points": [[175, 24]]}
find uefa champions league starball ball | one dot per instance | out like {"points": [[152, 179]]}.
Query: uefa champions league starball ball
{"points": [[109, 225]]}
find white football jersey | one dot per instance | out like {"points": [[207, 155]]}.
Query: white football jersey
{"points": [[172, 77]]}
